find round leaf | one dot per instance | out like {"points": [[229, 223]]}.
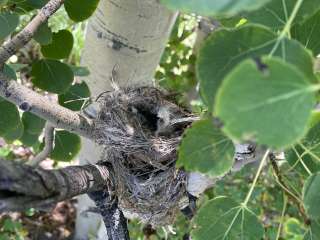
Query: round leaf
{"points": [[275, 14], [311, 196], [305, 156], [214, 8], [222, 218], [224, 49], [8, 23], [268, 101], [32, 123], [307, 33], [66, 146], [60, 47], [79, 10], [313, 232], [9, 119], [52, 76], [43, 35], [80, 71], [29, 139], [14, 134], [75, 97], [9, 72], [206, 149], [23, 6]]}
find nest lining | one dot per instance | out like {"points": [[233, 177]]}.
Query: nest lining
{"points": [[140, 130]]}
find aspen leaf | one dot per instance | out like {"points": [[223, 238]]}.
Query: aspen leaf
{"points": [[52, 75], [267, 100], [214, 8], [8, 23], [311, 196], [225, 48], [206, 149], [66, 146], [222, 218], [80, 10], [60, 47], [75, 97], [275, 14]]}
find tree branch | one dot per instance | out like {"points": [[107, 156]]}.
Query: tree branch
{"points": [[60, 117], [22, 38], [23, 187], [113, 218], [48, 147]]}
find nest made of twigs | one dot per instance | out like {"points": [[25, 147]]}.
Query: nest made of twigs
{"points": [[140, 130]]}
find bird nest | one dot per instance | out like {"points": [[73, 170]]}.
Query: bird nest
{"points": [[140, 130]]}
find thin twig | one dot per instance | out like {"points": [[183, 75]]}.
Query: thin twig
{"points": [[48, 147], [23, 37]]}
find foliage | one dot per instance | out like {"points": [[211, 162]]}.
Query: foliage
{"points": [[11, 230]]}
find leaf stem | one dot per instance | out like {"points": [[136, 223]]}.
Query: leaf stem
{"points": [[301, 161], [309, 151], [287, 26], [245, 203], [285, 203]]}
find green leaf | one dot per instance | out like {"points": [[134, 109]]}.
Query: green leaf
{"points": [[29, 139], [311, 196], [32, 123], [37, 3], [66, 146], [306, 161], [260, 99], [313, 232], [75, 97], [14, 134], [9, 72], [60, 47], [276, 13], [43, 35], [315, 118], [206, 149], [17, 66], [80, 71], [9, 119], [307, 33], [80, 10], [52, 76], [8, 23], [214, 8], [11, 226], [24, 6], [222, 219], [293, 227], [224, 49]]}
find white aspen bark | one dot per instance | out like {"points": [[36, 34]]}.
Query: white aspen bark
{"points": [[126, 38]]}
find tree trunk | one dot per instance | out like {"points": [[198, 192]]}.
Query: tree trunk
{"points": [[124, 43]]}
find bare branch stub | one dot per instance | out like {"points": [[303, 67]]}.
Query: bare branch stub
{"points": [[22, 38]]}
